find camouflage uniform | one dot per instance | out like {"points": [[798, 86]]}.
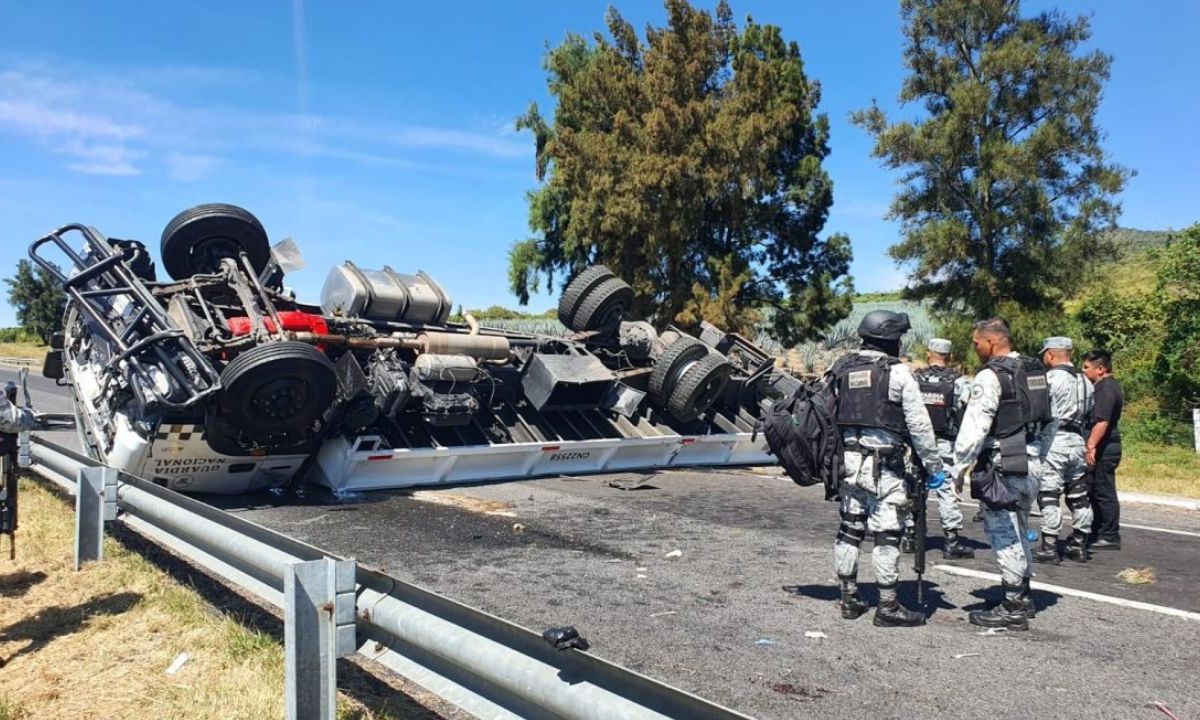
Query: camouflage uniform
{"points": [[1062, 462], [879, 505], [1005, 528]]}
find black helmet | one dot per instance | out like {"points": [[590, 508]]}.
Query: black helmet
{"points": [[883, 325]]}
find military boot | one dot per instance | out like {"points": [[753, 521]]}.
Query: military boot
{"points": [[908, 543], [1076, 548], [1048, 551], [1027, 599], [1010, 614], [954, 549], [891, 613], [852, 605]]}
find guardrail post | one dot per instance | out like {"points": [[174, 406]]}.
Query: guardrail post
{"points": [[319, 627], [95, 504]]}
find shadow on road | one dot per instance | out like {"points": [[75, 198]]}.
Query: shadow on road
{"points": [[907, 592], [993, 594]]}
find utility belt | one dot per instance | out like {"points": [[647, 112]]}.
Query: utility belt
{"points": [[890, 456], [1072, 427]]}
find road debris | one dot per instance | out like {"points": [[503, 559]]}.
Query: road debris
{"points": [[177, 665], [1162, 708], [993, 631], [960, 656], [632, 483], [815, 634], [1137, 576], [674, 554], [664, 613], [766, 641], [641, 569], [518, 528], [565, 637]]}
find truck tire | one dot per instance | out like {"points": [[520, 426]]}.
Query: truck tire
{"points": [[699, 387], [604, 307], [197, 239], [277, 388], [575, 291], [678, 354]]}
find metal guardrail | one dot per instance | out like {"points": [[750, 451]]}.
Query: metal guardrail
{"points": [[483, 664], [20, 361]]}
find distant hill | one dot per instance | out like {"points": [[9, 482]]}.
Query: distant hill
{"points": [[1130, 241]]}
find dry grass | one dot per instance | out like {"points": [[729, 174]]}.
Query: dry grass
{"points": [[31, 350], [97, 643], [1159, 470], [1137, 576]]}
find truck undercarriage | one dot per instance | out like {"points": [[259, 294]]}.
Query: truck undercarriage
{"points": [[220, 380]]}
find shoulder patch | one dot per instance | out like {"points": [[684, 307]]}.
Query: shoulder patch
{"points": [[976, 390]]}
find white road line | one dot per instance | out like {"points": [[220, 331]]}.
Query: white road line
{"points": [[1161, 530], [1187, 533], [1134, 604]]}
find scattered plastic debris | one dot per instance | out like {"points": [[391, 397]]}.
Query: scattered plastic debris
{"points": [[1162, 708], [815, 634], [674, 554], [960, 656], [562, 638], [766, 641], [518, 528], [1137, 576], [664, 613], [632, 483], [641, 569], [180, 660], [992, 631], [641, 577]]}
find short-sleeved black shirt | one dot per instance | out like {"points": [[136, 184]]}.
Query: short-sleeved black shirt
{"points": [[1109, 400]]}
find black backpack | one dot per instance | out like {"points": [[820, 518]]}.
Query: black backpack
{"points": [[801, 430]]}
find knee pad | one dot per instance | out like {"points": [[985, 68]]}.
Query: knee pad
{"points": [[1047, 498], [1078, 502], [887, 538], [852, 517], [851, 535]]}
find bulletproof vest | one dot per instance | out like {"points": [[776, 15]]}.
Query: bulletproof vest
{"points": [[862, 394], [1078, 421], [1024, 406], [937, 389]]}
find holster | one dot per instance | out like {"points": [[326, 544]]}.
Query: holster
{"points": [[987, 484]]}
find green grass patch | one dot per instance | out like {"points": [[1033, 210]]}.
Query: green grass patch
{"points": [[1159, 469], [31, 350]]}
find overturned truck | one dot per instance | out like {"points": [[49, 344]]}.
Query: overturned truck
{"points": [[219, 380]]}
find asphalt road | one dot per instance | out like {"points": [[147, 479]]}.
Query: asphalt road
{"points": [[732, 619]]}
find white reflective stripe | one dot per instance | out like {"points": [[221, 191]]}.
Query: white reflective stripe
{"points": [[1161, 530], [1061, 590]]}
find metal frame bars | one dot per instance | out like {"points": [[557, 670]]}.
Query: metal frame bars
{"points": [[318, 611], [95, 504]]}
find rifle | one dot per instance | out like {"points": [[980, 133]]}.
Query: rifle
{"points": [[918, 495]]}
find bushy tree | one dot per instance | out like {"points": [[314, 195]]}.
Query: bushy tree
{"points": [[1178, 367], [38, 299], [689, 162], [1005, 185]]}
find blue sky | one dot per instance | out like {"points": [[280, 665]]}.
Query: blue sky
{"points": [[382, 132]]}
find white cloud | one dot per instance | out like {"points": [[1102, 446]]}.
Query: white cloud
{"points": [[189, 168], [125, 121]]}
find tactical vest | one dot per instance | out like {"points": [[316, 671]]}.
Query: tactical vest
{"points": [[937, 389], [862, 394], [1024, 407], [1079, 421]]}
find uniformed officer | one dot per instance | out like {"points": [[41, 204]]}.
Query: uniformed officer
{"points": [[1063, 466], [994, 441], [13, 419], [945, 391], [879, 411]]}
